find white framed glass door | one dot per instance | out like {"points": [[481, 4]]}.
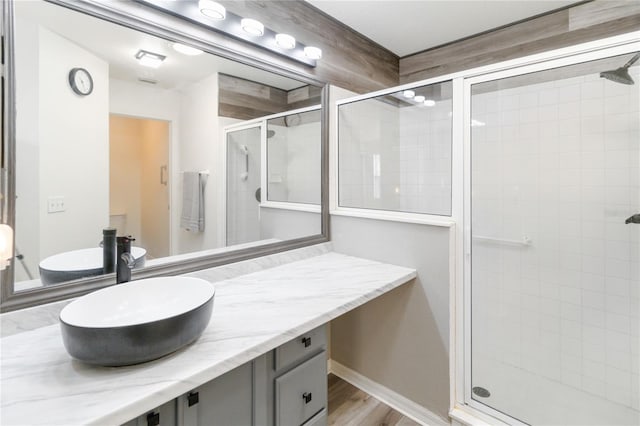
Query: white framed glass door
{"points": [[552, 275]]}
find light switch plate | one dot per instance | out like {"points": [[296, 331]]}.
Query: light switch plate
{"points": [[55, 204]]}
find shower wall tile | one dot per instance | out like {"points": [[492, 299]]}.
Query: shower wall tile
{"points": [[395, 158], [559, 162]]}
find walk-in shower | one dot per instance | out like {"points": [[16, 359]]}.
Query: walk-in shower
{"points": [[554, 269]]}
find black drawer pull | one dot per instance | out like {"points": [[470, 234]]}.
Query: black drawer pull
{"points": [[306, 341], [307, 397], [153, 419], [193, 398]]}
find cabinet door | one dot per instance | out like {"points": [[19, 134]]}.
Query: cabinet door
{"points": [[225, 401]]}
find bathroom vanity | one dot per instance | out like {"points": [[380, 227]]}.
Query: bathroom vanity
{"points": [[285, 386], [262, 359]]}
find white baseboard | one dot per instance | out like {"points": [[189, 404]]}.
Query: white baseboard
{"points": [[387, 396]]}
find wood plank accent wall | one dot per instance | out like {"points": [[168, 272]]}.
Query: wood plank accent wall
{"points": [[350, 60], [245, 100], [581, 23]]}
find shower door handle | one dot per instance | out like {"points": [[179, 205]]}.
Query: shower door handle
{"points": [[163, 175], [633, 219]]}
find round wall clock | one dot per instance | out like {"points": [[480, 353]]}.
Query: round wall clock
{"points": [[80, 81]]}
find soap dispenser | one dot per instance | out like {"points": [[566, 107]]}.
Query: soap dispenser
{"points": [[125, 260], [108, 250]]}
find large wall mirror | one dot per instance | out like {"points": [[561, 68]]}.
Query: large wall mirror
{"points": [[194, 155]]}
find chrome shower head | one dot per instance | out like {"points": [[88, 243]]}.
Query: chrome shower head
{"points": [[621, 75]]}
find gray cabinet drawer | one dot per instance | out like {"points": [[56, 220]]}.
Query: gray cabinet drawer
{"points": [[319, 419], [300, 348], [302, 392]]}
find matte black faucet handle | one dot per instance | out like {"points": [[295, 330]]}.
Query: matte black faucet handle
{"points": [[633, 219]]}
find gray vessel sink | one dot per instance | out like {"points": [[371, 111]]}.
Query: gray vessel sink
{"points": [[137, 321]]}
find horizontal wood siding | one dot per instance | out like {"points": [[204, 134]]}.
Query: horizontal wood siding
{"points": [[245, 100], [579, 24], [349, 60]]}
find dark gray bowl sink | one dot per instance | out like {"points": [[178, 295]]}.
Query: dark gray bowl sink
{"points": [[137, 321]]}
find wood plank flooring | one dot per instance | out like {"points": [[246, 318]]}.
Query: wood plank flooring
{"points": [[349, 406]]}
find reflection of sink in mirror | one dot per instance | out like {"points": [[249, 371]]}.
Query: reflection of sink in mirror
{"points": [[137, 321], [76, 264]]}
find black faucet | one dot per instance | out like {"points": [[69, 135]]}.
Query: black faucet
{"points": [[633, 219], [126, 261], [108, 250]]}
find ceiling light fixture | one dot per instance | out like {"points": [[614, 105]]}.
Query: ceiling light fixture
{"points": [[212, 10], [149, 59], [313, 52], [419, 98], [253, 27], [285, 41], [409, 94], [186, 50], [429, 102]]}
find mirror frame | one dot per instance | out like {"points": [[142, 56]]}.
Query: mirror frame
{"points": [[143, 18]]}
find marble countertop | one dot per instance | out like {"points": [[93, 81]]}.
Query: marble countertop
{"points": [[254, 313]]}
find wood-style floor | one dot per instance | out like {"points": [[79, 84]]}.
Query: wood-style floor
{"points": [[349, 406]]}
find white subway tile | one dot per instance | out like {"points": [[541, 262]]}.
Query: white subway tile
{"points": [[593, 299], [619, 323]]}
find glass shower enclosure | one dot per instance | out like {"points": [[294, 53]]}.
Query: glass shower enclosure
{"points": [[554, 271]]}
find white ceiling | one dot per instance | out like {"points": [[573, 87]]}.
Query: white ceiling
{"points": [[118, 45], [409, 26]]}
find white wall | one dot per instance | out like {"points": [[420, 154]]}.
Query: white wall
{"points": [[74, 147], [400, 340], [200, 149], [284, 224], [559, 162], [145, 101]]}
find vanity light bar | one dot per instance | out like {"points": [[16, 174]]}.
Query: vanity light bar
{"points": [[202, 12]]}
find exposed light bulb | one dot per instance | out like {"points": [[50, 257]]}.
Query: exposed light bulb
{"points": [[419, 98], [313, 52], [285, 41], [253, 27], [212, 10], [409, 94], [186, 50], [429, 102]]}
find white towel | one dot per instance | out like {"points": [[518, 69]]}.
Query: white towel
{"points": [[192, 217]]}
